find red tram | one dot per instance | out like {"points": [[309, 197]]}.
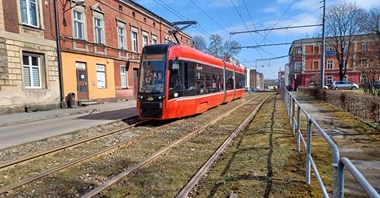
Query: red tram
{"points": [[177, 81]]}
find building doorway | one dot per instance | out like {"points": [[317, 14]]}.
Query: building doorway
{"points": [[82, 88]]}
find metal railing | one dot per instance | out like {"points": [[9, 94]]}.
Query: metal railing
{"points": [[293, 107]]}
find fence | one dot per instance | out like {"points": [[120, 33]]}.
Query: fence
{"points": [[294, 112]]}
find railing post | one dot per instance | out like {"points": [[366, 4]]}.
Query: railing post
{"points": [[299, 129], [308, 149], [292, 110], [293, 117], [338, 176], [339, 180]]}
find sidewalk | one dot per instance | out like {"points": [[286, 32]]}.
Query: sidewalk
{"points": [[355, 139], [19, 118]]}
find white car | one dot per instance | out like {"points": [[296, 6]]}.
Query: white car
{"points": [[344, 85]]}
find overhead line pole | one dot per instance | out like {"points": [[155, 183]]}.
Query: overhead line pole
{"points": [[323, 46], [279, 28]]}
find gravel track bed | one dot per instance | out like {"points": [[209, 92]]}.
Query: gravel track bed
{"points": [[165, 176], [261, 162], [78, 180]]}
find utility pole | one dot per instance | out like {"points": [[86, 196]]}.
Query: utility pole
{"points": [[323, 46]]}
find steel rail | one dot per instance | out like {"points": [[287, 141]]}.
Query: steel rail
{"points": [[204, 169], [69, 164], [40, 154], [147, 160]]}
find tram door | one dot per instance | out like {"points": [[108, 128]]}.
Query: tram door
{"points": [[82, 81], [135, 82]]}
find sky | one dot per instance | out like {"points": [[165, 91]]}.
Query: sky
{"points": [[224, 17]]}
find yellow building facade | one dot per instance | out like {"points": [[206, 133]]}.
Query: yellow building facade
{"points": [[88, 77]]}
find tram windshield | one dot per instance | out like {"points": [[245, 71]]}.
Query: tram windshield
{"points": [[152, 73]]}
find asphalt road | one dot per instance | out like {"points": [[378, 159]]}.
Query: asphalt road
{"points": [[37, 130]]}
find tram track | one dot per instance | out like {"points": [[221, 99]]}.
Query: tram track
{"points": [[161, 153], [73, 161], [60, 148], [49, 172]]}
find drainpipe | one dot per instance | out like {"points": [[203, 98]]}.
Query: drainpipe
{"points": [[59, 58]]}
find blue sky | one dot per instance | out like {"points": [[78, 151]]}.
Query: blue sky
{"points": [[225, 16]]}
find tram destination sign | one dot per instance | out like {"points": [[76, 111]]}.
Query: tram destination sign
{"points": [[154, 57]]}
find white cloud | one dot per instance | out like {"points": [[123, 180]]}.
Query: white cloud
{"points": [[284, 1], [270, 10]]}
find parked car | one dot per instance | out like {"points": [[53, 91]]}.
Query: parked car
{"points": [[374, 85], [344, 85]]}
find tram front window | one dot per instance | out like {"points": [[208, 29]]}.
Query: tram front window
{"points": [[152, 75]]}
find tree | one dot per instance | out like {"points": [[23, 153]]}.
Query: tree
{"points": [[199, 43], [215, 46], [231, 48], [342, 25], [224, 51], [369, 64]]}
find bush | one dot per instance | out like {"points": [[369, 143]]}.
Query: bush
{"points": [[361, 105]]}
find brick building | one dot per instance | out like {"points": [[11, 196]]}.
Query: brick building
{"points": [[305, 61], [99, 48], [101, 42], [256, 80], [29, 77]]}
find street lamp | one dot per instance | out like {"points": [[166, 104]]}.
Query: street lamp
{"points": [[77, 3]]}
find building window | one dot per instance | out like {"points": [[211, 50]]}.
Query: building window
{"points": [[297, 66], [120, 8], [123, 77], [299, 52], [154, 39], [133, 14], [29, 12], [345, 63], [145, 38], [330, 64], [98, 30], [78, 25], [364, 46], [329, 48], [363, 79], [315, 65], [329, 80], [316, 49], [134, 40], [345, 47], [101, 76], [121, 35], [32, 70], [364, 62]]}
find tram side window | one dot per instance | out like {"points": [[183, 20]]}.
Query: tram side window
{"points": [[189, 75], [239, 81], [229, 80], [176, 84], [242, 81]]}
